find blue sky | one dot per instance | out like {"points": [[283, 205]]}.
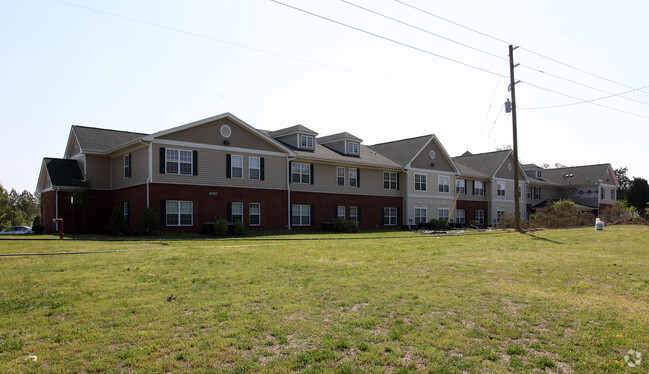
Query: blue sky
{"points": [[146, 66]]}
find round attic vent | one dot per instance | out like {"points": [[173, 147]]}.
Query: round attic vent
{"points": [[226, 131], [432, 155], [509, 166]]}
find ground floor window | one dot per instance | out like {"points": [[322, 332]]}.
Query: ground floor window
{"points": [[340, 211], [255, 214], [500, 215], [179, 213], [127, 213], [353, 214], [420, 215], [478, 215], [443, 214], [236, 212], [460, 216], [390, 216], [301, 215]]}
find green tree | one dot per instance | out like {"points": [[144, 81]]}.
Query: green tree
{"points": [[624, 182], [5, 209], [638, 194], [117, 224], [81, 198], [150, 221]]}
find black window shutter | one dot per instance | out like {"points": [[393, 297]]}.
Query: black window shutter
{"points": [[229, 211], [163, 160], [290, 172], [474, 187], [358, 178], [195, 162], [128, 172], [128, 215], [261, 168], [312, 220], [398, 180], [311, 168], [163, 212], [335, 211], [228, 166], [383, 216], [358, 215]]}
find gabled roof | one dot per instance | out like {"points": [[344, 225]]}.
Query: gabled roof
{"points": [[102, 141], [367, 157], [293, 130], [339, 136], [402, 151], [63, 172], [581, 175], [481, 165]]}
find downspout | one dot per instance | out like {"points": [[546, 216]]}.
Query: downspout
{"points": [[288, 187], [56, 206], [405, 205], [150, 177]]}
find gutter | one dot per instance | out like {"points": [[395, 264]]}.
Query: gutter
{"points": [[288, 187]]}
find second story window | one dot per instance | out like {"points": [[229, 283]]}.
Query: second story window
{"points": [[500, 188], [306, 141], [460, 186], [353, 177], [236, 170], [420, 182], [612, 193], [478, 188], [254, 167], [390, 180], [537, 193], [603, 193], [340, 177], [352, 148], [127, 165], [300, 173], [443, 183], [539, 174], [178, 161]]}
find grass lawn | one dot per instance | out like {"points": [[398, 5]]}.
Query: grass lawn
{"points": [[555, 300]]}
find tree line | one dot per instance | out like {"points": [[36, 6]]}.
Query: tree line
{"points": [[18, 209]]}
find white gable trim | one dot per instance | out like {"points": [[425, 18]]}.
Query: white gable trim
{"points": [[441, 147]]}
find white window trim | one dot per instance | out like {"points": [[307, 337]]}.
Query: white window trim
{"points": [[179, 212], [300, 215], [425, 182], [447, 186], [232, 214], [250, 168], [232, 166], [250, 214], [443, 217], [503, 189], [127, 165], [178, 161], [338, 169], [389, 174], [425, 214], [308, 140], [387, 213], [352, 152], [480, 220], [481, 189], [302, 166], [463, 187], [355, 216], [340, 208], [355, 178]]}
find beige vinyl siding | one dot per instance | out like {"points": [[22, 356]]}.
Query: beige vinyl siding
{"points": [[98, 172], [338, 145], [210, 133], [212, 170], [139, 168], [469, 191], [74, 149], [371, 181], [504, 173], [423, 160], [289, 139]]}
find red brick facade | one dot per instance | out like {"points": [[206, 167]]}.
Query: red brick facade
{"points": [[471, 206], [97, 217]]}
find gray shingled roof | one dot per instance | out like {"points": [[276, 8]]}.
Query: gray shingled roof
{"points": [[402, 151], [63, 172], [481, 165], [340, 136], [367, 157], [292, 129], [94, 140], [581, 175]]}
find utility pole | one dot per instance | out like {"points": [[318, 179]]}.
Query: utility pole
{"points": [[512, 87]]}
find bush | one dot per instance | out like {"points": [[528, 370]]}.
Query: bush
{"points": [[117, 224], [353, 226], [220, 227], [238, 228], [620, 213], [562, 213], [150, 222], [473, 223], [340, 224], [36, 225], [437, 224]]}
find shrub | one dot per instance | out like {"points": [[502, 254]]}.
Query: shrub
{"points": [[36, 225], [562, 213], [353, 226], [238, 228], [117, 224], [437, 224], [473, 223], [620, 213], [220, 227], [150, 222], [340, 224]]}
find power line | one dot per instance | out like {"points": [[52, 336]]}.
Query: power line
{"points": [[584, 101], [424, 30], [590, 101], [506, 42], [207, 37], [386, 38]]}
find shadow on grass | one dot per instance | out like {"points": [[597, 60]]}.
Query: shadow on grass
{"points": [[534, 237]]}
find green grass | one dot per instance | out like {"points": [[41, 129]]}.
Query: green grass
{"points": [[555, 301]]}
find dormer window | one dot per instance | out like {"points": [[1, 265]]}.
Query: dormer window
{"points": [[352, 148], [306, 141], [539, 174]]}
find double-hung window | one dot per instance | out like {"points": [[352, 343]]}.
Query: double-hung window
{"points": [[255, 214], [500, 188], [537, 193], [300, 173], [236, 167], [179, 213], [353, 177], [420, 182], [603, 193], [353, 213], [306, 141], [443, 214], [127, 214], [460, 186], [127, 165], [340, 211], [352, 148], [529, 192], [460, 216], [390, 180], [340, 177], [613, 194], [237, 212], [443, 183], [420, 215], [478, 215], [301, 215], [478, 188], [390, 216], [178, 161], [254, 168]]}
